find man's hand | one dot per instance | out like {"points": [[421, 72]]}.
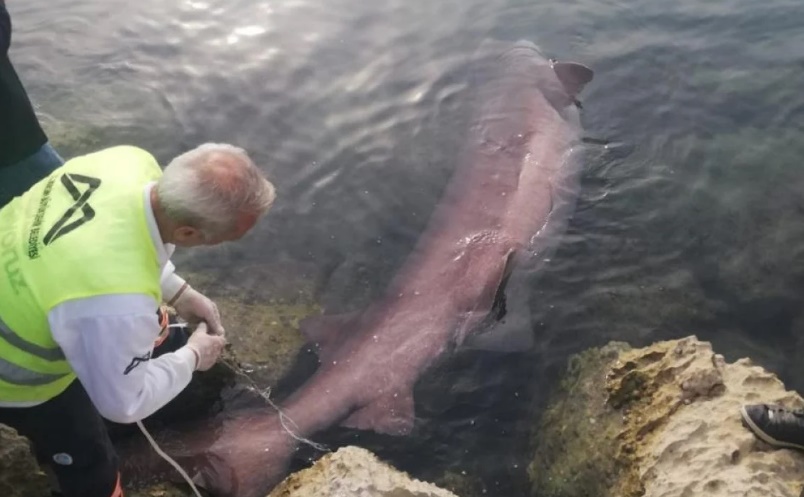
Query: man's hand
{"points": [[207, 347], [195, 307]]}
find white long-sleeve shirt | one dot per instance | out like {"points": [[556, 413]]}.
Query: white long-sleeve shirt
{"points": [[108, 341]]}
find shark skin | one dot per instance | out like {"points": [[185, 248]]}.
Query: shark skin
{"points": [[506, 204]]}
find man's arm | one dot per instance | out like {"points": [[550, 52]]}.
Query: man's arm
{"points": [[5, 29], [172, 283], [108, 341]]}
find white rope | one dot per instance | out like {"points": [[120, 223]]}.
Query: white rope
{"points": [[266, 394], [168, 459]]}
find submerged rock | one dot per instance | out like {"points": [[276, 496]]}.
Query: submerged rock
{"points": [[20, 476], [352, 471], [660, 421], [461, 483], [261, 307]]}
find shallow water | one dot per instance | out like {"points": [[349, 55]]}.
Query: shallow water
{"points": [[690, 223]]}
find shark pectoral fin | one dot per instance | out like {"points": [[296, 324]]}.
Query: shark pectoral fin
{"points": [[391, 414], [509, 329], [494, 307], [199, 481], [325, 330], [573, 76]]}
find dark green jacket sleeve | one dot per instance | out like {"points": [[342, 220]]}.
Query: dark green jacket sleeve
{"points": [[5, 29]]}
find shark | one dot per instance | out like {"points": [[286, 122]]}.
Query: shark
{"points": [[506, 204]]}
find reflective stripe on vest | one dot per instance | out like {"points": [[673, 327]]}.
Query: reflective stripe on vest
{"points": [[48, 354], [11, 373], [16, 375]]}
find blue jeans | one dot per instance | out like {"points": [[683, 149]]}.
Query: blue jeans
{"points": [[17, 178]]}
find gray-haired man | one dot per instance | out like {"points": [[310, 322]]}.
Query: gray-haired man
{"points": [[87, 254]]}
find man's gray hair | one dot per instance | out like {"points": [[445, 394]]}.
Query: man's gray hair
{"points": [[211, 186]]}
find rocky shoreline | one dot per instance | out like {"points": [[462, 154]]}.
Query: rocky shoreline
{"points": [[660, 421]]}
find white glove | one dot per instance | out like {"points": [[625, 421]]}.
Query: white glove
{"points": [[194, 307], [207, 347]]}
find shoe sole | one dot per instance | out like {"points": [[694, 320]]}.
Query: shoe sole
{"points": [[764, 436]]}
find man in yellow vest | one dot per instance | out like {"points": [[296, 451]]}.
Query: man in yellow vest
{"points": [[84, 264]]}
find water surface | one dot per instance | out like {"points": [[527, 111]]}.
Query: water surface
{"points": [[691, 223]]}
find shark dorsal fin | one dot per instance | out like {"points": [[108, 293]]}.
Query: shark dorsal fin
{"points": [[573, 76]]}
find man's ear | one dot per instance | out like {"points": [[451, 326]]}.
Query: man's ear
{"points": [[187, 235]]}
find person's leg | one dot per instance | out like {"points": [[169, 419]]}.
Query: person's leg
{"points": [[17, 178], [69, 435]]}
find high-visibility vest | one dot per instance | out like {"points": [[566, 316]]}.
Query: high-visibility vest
{"points": [[81, 232]]}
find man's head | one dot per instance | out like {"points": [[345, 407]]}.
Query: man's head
{"points": [[211, 194]]}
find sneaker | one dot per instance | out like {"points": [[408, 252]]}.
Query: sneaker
{"points": [[776, 425]]}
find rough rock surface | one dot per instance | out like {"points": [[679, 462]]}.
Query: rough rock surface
{"points": [[19, 474], [261, 307], [354, 472], [662, 421]]}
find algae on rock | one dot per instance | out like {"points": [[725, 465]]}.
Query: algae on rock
{"points": [[660, 421], [461, 483], [262, 317], [575, 444]]}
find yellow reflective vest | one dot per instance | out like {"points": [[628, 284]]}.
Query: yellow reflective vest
{"points": [[81, 232]]}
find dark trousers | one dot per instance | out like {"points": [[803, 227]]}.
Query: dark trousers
{"points": [[70, 436]]}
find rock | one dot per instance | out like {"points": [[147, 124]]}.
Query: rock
{"points": [[661, 421], [575, 443], [20, 475], [354, 472], [261, 306], [72, 139], [461, 483], [161, 490], [109, 114]]}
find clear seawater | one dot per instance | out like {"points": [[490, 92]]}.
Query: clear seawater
{"points": [[690, 222]]}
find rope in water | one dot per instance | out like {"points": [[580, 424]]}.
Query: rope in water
{"points": [[283, 418], [265, 394], [169, 459]]}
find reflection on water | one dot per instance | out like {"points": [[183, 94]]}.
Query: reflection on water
{"points": [[355, 109]]}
